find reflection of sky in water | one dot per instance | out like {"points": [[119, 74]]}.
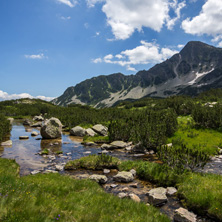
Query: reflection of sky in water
{"points": [[24, 150]]}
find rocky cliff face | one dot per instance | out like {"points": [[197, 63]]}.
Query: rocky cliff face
{"points": [[196, 68]]}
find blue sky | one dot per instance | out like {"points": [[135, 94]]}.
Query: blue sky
{"points": [[49, 45]]}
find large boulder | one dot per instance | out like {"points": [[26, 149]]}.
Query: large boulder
{"points": [[124, 176], [38, 118], [100, 129], [99, 178], [90, 132], [157, 196], [52, 129], [183, 215], [118, 145], [78, 131]]}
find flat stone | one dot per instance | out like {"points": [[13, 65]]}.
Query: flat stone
{"points": [[35, 172], [34, 133], [69, 154], [124, 177], [134, 197], [50, 171], [183, 215], [87, 152], [89, 144], [105, 152], [99, 178], [38, 124], [106, 171], [105, 146], [113, 185], [171, 190], [24, 137], [90, 132], [157, 196], [125, 189], [122, 195], [134, 185], [7, 143], [138, 155], [129, 148]]}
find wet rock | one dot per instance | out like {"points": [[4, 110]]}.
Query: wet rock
{"points": [[138, 155], [90, 132], [151, 152], [134, 197], [171, 191], [78, 131], [27, 122], [38, 124], [124, 177], [59, 167], [10, 120], [105, 146], [28, 130], [24, 137], [113, 185], [100, 129], [52, 129], [134, 185], [87, 152], [69, 154], [118, 145], [157, 196], [38, 118], [128, 149], [122, 195], [105, 152], [34, 133], [106, 171], [89, 144], [125, 189], [183, 215], [35, 172], [99, 178], [7, 143], [50, 171], [51, 157], [38, 138], [133, 172]]}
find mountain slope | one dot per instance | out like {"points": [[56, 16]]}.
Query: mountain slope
{"points": [[196, 68]]}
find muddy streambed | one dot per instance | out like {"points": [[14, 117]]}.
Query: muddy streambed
{"points": [[25, 152]]}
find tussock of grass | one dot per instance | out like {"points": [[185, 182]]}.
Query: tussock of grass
{"points": [[54, 197], [94, 162]]}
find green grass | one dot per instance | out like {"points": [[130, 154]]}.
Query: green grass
{"points": [[44, 197], [206, 140], [93, 162], [45, 152], [96, 139]]}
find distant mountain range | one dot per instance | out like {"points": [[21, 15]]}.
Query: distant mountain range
{"points": [[198, 67]]}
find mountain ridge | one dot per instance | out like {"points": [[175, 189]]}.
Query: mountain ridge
{"points": [[194, 69]]}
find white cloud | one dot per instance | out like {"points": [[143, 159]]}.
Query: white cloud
{"points": [[127, 16], [65, 18], [180, 46], [39, 56], [6, 96], [70, 3], [97, 60], [220, 44], [91, 3], [146, 53], [207, 22]]}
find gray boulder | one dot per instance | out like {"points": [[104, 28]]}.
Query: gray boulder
{"points": [[90, 132], [118, 145], [124, 176], [38, 118], [122, 195], [52, 129], [105, 147], [183, 215], [100, 129], [10, 120], [99, 178], [7, 143], [78, 131], [34, 133], [171, 191], [157, 196], [134, 197]]}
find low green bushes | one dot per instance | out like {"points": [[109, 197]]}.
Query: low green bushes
{"points": [[4, 127]]}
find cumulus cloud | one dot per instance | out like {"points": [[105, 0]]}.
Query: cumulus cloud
{"points": [[180, 46], [65, 17], [127, 16], [146, 53], [38, 56], [70, 3], [6, 96], [207, 22]]}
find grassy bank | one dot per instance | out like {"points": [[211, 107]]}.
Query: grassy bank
{"points": [[54, 197], [200, 192]]}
